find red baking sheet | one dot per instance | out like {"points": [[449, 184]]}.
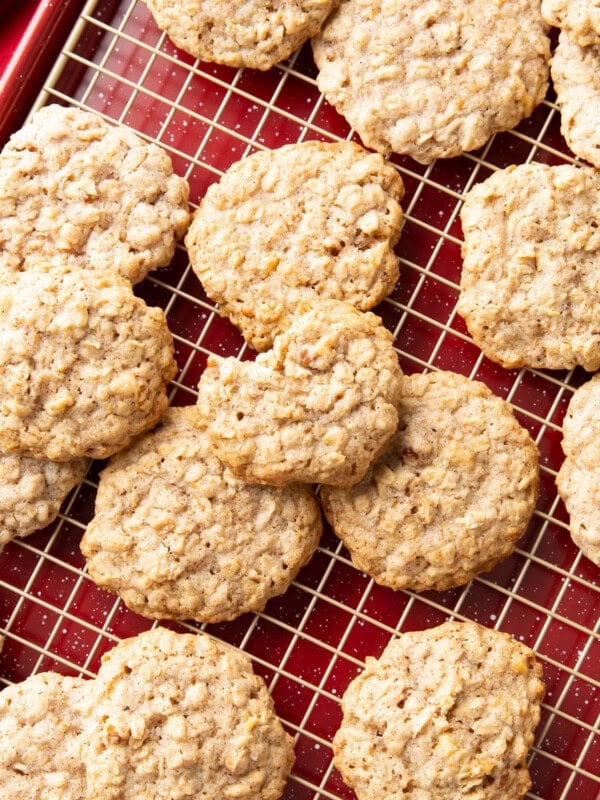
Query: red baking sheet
{"points": [[311, 641], [30, 37]]}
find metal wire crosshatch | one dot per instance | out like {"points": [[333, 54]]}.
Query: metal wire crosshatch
{"points": [[311, 641]]}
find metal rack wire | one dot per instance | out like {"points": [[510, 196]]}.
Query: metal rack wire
{"points": [[310, 642]]}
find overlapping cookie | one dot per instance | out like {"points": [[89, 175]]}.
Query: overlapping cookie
{"points": [[530, 284], [84, 363], [578, 479], [249, 34], [183, 716], [170, 715], [433, 79], [452, 492], [448, 712], [283, 228], [76, 190], [178, 536], [317, 408], [575, 75]]}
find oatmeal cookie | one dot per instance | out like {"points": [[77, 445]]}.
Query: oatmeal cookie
{"points": [[182, 716], [575, 74], [317, 408], [42, 735], [178, 536], [530, 284], [580, 17], [578, 479], [445, 713], [249, 34], [32, 491], [450, 495], [285, 227], [74, 189], [433, 79], [84, 363]]}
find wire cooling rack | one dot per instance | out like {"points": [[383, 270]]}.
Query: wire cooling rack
{"points": [[309, 643]]}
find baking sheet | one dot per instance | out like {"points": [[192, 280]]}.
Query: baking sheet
{"points": [[309, 643]]}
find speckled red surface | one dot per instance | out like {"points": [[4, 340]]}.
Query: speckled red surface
{"points": [[31, 33]]}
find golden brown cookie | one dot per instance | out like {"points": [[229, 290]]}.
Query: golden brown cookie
{"points": [[76, 190], [578, 479], [530, 284], [317, 408], [443, 714], [178, 536], [580, 17], [575, 75], [32, 491], [433, 79], [449, 497], [286, 227], [249, 34], [184, 717], [42, 736], [84, 363]]}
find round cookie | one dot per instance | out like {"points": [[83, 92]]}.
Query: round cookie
{"points": [[182, 716], [575, 72], [32, 492], [317, 408], [433, 79], [178, 536], [448, 712], [285, 227], [84, 363], [74, 189], [42, 733], [249, 34], [580, 17], [578, 480], [530, 284], [452, 492]]}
